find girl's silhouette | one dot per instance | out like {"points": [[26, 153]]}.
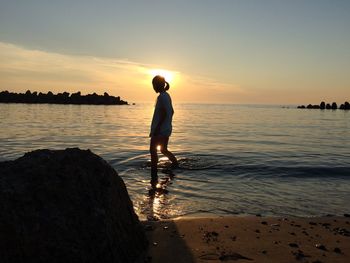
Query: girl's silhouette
{"points": [[161, 127]]}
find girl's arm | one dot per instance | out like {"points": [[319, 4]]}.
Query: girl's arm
{"points": [[158, 118], [162, 115]]}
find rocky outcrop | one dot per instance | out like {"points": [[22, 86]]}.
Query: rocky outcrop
{"points": [[322, 105], [59, 98], [66, 206], [328, 106], [345, 106], [312, 106]]}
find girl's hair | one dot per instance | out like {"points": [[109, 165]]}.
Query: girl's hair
{"points": [[167, 85], [159, 84]]}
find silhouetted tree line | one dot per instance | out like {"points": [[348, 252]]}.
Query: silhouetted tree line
{"points": [[324, 106], [60, 98]]}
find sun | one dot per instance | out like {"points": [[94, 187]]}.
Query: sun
{"points": [[168, 75]]}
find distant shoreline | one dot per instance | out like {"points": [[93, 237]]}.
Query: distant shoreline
{"points": [[60, 98]]}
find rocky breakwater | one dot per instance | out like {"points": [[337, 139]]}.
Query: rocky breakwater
{"points": [[328, 106], [66, 206], [60, 98]]}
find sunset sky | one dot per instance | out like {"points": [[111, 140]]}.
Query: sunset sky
{"points": [[227, 51]]}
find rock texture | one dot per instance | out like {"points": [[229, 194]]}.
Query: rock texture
{"points": [[66, 206]]}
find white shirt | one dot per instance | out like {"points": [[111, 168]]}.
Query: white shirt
{"points": [[162, 116]]}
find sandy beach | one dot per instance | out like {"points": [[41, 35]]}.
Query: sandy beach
{"points": [[250, 239]]}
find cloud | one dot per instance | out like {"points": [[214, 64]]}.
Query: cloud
{"points": [[20, 66], [22, 69]]}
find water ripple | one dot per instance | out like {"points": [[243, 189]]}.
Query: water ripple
{"points": [[234, 159]]}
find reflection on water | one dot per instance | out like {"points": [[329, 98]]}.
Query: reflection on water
{"points": [[157, 204], [234, 159]]}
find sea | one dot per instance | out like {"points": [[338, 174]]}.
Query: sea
{"points": [[239, 160]]}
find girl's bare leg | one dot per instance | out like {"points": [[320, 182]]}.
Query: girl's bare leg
{"points": [[154, 161], [164, 150], [163, 143], [170, 156]]}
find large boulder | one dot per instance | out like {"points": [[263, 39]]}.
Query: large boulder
{"points": [[66, 206]]}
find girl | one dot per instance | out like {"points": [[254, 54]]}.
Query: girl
{"points": [[161, 126]]}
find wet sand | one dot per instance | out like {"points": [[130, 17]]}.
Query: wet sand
{"points": [[249, 239]]}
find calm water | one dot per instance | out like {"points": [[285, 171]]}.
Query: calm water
{"points": [[234, 159]]}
